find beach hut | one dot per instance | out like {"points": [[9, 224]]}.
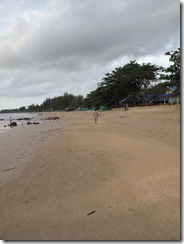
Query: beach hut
{"points": [[145, 100], [129, 101], [169, 95]]}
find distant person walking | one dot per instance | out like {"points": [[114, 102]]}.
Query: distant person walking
{"points": [[126, 107], [96, 116]]}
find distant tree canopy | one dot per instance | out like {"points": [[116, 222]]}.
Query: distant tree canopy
{"points": [[135, 80], [173, 71], [62, 102], [57, 103], [126, 81]]}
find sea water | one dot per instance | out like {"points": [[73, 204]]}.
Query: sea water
{"points": [[6, 118]]}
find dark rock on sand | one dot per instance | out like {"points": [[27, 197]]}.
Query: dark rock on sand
{"points": [[13, 124], [24, 118]]}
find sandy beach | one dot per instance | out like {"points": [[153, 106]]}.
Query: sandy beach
{"points": [[72, 179]]}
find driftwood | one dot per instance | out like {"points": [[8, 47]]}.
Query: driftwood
{"points": [[9, 169], [91, 212]]}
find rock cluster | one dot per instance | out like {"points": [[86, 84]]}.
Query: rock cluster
{"points": [[50, 118], [12, 124], [34, 123]]}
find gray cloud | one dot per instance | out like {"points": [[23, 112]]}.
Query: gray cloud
{"points": [[67, 45]]}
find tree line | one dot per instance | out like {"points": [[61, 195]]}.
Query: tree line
{"points": [[67, 102], [132, 80]]}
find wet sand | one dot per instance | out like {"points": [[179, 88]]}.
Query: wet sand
{"points": [[72, 179]]}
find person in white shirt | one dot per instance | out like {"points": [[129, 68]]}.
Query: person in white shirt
{"points": [[96, 116]]}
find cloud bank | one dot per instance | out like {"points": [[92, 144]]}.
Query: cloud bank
{"points": [[49, 47]]}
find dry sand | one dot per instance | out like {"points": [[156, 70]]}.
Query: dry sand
{"points": [[125, 171]]}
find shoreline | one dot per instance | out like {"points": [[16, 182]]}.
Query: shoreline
{"points": [[20, 144], [21, 119], [117, 180]]}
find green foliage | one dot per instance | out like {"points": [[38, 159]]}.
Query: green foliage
{"points": [[57, 103], [22, 109], [173, 71], [122, 82], [62, 102]]}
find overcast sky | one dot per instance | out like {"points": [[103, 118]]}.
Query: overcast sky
{"points": [[49, 47]]}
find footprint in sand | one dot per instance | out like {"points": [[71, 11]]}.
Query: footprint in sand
{"points": [[105, 179], [103, 163]]}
